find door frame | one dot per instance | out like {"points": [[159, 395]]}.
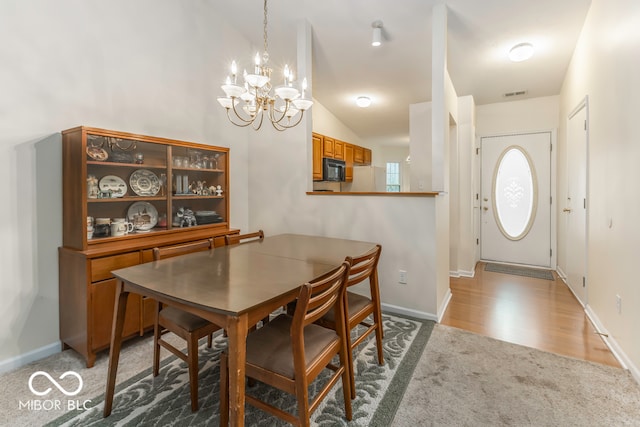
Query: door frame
{"points": [[553, 190], [582, 105]]}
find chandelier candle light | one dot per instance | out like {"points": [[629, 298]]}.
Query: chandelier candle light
{"points": [[257, 99]]}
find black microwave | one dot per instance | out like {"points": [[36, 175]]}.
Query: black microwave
{"points": [[333, 170]]}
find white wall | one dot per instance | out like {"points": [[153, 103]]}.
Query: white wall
{"points": [[535, 114], [112, 65], [605, 67]]}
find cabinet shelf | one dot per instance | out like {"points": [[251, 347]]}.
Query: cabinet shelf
{"points": [[128, 199], [195, 197]]}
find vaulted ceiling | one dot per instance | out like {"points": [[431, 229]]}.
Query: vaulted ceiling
{"points": [[398, 73]]}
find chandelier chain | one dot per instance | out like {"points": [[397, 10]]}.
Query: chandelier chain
{"points": [[265, 32]]}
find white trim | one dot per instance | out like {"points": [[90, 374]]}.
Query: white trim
{"points": [[408, 312], [561, 274], [462, 273], [613, 345], [443, 307], [32, 356]]}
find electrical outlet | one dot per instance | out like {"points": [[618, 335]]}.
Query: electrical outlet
{"points": [[403, 277], [619, 304]]}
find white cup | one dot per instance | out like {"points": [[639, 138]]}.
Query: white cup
{"points": [[119, 227]]}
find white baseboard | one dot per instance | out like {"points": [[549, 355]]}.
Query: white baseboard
{"points": [[32, 356], [445, 304], [613, 345], [561, 274], [409, 312], [462, 273]]}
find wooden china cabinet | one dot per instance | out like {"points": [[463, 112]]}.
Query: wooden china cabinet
{"points": [[168, 191]]}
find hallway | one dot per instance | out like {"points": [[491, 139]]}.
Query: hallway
{"points": [[532, 312]]}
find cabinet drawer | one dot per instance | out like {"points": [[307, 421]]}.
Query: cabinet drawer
{"points": [[101, 267]]}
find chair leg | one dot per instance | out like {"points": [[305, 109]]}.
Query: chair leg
{"points": [[347, 383], [224, 391], [377, 318], [192, 357], [350, 367], [303, 404], [156, 344]]}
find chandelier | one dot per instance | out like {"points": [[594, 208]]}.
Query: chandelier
{"points": [[247, 104]]}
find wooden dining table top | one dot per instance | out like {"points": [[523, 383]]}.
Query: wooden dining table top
{"points": [[235, 279]]}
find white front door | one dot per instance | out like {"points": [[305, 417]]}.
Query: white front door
{"points": [[516, 199], [575, 209]]}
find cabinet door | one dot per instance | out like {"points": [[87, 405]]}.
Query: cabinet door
{"points": [[348, 158], [327, 147], [358, 155], [338, 150], [317, 157], [103, 297], [367, 156]]}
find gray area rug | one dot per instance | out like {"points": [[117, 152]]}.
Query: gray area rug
{"points": [[164, 401], [519, 271], [465, 379]]}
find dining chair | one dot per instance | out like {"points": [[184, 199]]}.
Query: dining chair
{"points": [[359, 307], [289, 352], [185, 325], [232, 239]]}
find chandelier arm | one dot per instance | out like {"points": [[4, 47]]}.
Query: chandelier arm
{"points": [[233, 105], [289, 126], [242, 125], [259, 123], [272, 113]]}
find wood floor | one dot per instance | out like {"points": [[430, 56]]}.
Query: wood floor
{"points": [[537, 313]]}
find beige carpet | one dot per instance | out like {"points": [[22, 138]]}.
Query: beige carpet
{"points": [[464, 379]]}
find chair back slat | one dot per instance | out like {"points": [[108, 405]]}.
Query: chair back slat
{"points": [[319, 296], [363, 266], [182, 249], [234, 239]]}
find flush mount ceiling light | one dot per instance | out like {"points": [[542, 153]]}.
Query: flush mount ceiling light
{"points": [[363, 101], [256, 97], [377, 33], [521, 52]]}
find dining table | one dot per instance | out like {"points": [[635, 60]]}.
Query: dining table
{"points": [[232, 286]]}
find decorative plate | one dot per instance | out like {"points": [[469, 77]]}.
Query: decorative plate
{"points": [[143, 182], [113, 183], [97, 153], [143, 215]]}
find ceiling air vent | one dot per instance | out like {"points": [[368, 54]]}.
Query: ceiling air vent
{"points": [[516, 93]]}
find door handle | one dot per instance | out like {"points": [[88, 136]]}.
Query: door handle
{"points": [[566, 210], [485, 208]]}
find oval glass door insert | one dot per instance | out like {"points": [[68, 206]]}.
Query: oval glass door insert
{"points": [[514, 193]]}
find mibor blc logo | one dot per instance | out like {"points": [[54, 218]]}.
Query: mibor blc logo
{"points": [[55, 404]]}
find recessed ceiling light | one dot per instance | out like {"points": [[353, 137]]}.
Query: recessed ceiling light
{"points": [[521, 52], [363, 101]]}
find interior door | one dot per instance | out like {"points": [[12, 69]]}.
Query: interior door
{"points": [[575, 210], [516, 199]]}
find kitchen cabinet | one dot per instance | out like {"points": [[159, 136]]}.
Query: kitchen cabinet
{"points": [[367, 157], [324, 146], [338, 150], [327, 147], [348, 158], [358, 155], [166, 191], [317, 156]]}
